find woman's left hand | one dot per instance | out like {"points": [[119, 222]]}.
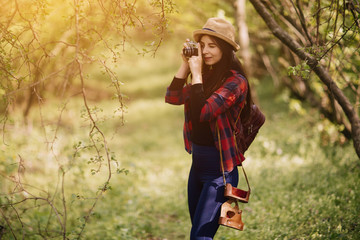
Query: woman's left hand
{"points": [[195, 64]]}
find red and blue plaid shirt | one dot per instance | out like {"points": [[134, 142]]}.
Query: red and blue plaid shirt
{"points": [[230, 96]]}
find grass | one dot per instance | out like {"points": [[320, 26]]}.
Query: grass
{"points": [[301, 189]]}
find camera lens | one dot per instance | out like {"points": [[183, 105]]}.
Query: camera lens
{"points": [[191, 50], [187, 52]]}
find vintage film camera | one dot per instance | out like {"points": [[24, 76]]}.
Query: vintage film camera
{"points": [[190, 50]]}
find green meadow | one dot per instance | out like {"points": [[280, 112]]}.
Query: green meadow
{"points": [[304, 186]]}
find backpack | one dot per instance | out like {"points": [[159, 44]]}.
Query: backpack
{"points": [[245, 132]]}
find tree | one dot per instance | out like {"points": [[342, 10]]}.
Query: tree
{"points": [[243, 34], [325, 38], [47, 52]]}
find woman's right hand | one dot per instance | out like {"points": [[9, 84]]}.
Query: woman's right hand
{"points": [[195, 64], [184, 69]]}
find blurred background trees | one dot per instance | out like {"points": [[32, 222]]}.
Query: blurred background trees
{"points": [[47, 47], [40, 61]]}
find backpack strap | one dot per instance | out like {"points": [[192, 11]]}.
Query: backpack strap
{"points": [[231, 120]]}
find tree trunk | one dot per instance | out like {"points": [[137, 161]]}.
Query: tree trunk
{"points": [[323, 75], [244, 40], [240, 6]]}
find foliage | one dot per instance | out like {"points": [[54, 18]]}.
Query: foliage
{"points": [[58, 42], [49, 52]]}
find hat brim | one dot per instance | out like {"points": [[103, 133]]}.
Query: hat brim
{"points": [[198, 33]]}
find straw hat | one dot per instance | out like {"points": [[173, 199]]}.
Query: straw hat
{"points": [[220, 28]]}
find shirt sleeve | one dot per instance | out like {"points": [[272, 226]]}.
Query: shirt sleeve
{"points": [[177, 84], [233, 91], [176, 93]]}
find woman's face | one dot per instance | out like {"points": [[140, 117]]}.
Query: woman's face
{"points": [[210, 50]]}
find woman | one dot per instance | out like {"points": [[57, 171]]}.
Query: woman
{"points": [[218, 85]]}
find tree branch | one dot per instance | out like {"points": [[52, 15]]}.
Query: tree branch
{"points": [[324, 76]]}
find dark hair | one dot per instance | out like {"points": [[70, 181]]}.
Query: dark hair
{"points": [[214, 76]]}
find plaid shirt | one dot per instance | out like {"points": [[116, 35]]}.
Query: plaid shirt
{"points": [[230, 96]]}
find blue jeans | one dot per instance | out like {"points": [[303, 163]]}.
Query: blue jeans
{"points": [[206, 191]]}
